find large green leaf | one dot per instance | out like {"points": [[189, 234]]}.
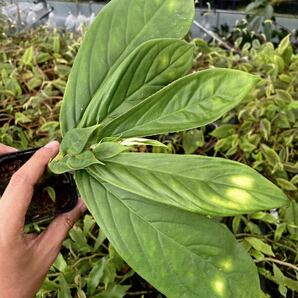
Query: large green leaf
{"points": [[192, 101], [120, 27], [182, 254], [205, 185], [153, 65]]}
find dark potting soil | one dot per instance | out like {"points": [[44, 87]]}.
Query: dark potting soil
{"points": [[42, 206]]}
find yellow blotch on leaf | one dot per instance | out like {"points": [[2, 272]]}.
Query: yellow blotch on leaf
{"points": [[223, 202], [239, 195], [172, 4], [164, 61], [226, 265], [219, 286], [243, 181], [171, 74]]}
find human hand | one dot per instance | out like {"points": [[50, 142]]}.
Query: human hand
{"points": [[26, 258]]}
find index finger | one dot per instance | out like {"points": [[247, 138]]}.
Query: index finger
{"points": [[18, 194]]}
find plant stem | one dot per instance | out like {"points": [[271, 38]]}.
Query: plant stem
{"points": [[241, 235], [137, 293], [87, 258], [278, 262]]}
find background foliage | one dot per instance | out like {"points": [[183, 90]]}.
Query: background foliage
{"points": [[262, 132]]}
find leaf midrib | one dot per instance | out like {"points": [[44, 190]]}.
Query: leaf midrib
{"points": [[152, 98], [146, 83], [133, 40], [112, 67], [107, 120], [158, 232]]}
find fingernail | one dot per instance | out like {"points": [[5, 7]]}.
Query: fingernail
{"points": [[53, 145], [82, 206]]}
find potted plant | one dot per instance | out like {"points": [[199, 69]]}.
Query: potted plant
{"points": [[132, 79], [52, 195]]}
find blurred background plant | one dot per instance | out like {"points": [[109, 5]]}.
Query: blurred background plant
{"points": [[260, 23], [262, 13]]}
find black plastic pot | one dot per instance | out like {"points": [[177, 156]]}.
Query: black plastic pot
{"points": [[43, 207]]}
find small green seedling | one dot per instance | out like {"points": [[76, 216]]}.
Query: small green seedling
{"points": [[132, 79], [51, 192]]}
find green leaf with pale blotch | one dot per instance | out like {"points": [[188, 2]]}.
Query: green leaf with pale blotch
{"points": [[191, 262], [120, 27], [192, 101], [76, 139], [200, 184], [149, 68]]}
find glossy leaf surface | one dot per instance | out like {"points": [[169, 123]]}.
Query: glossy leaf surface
{"points": [[190, 102], [205, 185], [153, 237], [120, 27], [149, 68]]}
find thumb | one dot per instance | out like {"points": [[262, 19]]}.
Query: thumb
{"points": [[6, 149], [52, 238]]}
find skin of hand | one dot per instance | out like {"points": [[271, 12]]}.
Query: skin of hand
{"points": [[26, 258]]}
